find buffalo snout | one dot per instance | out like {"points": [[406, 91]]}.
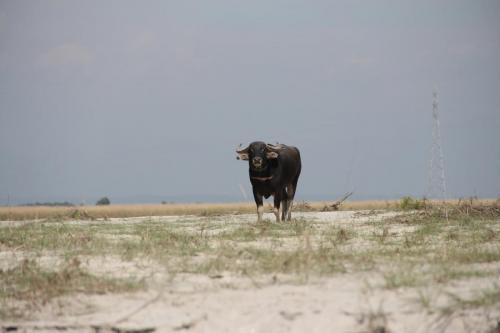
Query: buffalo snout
{"points": [[257, 161]]}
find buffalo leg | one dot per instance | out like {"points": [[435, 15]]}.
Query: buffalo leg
{"points": [[277, 202], [260, 205], [290, 195], [284, 209], [284, 203], [289, 212]]}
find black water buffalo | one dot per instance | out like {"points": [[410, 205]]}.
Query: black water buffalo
{"points": [[274, 170]]}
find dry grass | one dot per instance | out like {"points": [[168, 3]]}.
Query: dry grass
{"points": [[20, 213]]}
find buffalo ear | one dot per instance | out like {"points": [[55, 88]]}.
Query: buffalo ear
{"points": [[242, 156], [271, 154]]}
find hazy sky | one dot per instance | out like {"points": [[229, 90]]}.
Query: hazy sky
{"points": [[147, 100]]}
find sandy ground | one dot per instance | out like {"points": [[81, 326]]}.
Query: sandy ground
{"points": [[235, 303]]}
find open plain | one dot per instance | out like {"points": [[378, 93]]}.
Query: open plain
{"points": [[389, 270]]}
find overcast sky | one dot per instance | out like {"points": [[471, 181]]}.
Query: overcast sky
{"points": [[147, 100]]}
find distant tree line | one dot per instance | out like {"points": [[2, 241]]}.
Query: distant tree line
{"points": [[55, 203], [101, 202]]}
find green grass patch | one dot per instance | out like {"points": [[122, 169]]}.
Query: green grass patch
{"points": [[51, 236], [297, 261], [160, 240]]}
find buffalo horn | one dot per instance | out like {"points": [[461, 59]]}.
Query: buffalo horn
{"points": [[274, 148], [239, 150], [242, 153]]}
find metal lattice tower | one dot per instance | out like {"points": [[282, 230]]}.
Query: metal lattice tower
{"points": [[436, 183]]}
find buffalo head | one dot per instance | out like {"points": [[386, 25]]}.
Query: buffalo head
{"points": [[258, 153]]}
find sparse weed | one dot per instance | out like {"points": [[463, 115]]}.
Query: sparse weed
{"points": [[242, 233], [51, 236], [337, 236], [426, 299], [402, 278], [483, 298], [159, 240], [382, 236], [445, 273], [33, 286]]}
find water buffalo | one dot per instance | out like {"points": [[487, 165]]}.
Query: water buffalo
{"points": [[274, 170]]}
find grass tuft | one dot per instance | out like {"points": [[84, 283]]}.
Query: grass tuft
{"points": [[34, 286]]}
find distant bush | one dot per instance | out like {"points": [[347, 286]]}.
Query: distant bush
{"points": [[103, 201], [63, 204], [408, 203]]}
